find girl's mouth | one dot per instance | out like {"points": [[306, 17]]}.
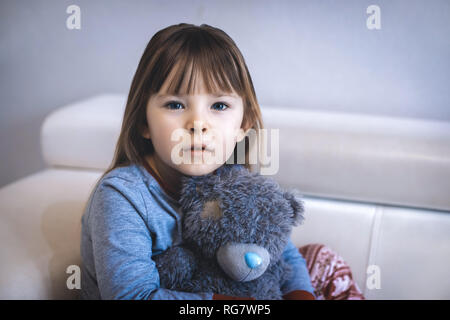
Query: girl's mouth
{"points": [[199, 149], [199, 152]]}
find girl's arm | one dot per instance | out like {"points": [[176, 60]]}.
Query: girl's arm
{"points": [[122, 248], [300, 280]]}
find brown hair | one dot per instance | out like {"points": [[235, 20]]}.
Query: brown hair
{"points": [[208, 50]]}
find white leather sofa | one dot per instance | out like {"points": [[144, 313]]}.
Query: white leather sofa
{"points": [[376, 190]]}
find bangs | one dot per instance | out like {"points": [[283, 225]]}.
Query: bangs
{"points": [[199, 55]]}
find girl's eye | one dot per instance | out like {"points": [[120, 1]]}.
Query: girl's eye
{"points": [[224, 106], [173, 105]]}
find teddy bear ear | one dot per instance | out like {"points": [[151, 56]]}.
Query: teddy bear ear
{"points": [[297, 207]]}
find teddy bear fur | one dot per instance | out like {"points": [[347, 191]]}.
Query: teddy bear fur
{"points": [[230, 206]]}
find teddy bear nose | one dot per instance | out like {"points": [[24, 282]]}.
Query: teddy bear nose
{"points": [[243, 261], [252, 260]]}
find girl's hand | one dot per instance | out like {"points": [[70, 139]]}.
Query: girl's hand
{"points": [[218, 296], [299, 295]]}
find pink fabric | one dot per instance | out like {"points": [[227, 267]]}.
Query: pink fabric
{"points": [[330, 275]]}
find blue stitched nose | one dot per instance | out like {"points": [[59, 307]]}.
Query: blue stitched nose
{"points": [[252, 260]]}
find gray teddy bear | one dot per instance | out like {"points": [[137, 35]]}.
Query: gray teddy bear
{"points": [[236, 225]]}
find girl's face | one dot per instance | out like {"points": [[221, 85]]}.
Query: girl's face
{"points": [[176, 124]]}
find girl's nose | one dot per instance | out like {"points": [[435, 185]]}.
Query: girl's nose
{"points": [[193, 130], [198, 127]]}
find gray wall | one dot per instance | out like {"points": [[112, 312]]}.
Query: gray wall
{"points": [[301, 54]]}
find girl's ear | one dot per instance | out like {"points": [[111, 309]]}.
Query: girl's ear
{"points": [[144, 131], [241, 135], [243, 131], [146, 134]]}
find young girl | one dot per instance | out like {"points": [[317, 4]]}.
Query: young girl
{"points": [[192, 80]]}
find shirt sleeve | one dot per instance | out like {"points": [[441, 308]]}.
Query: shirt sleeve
{"points": [[122, 249], [300, 279]]}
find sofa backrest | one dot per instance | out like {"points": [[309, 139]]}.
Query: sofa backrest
{"points": [[404, 162]]}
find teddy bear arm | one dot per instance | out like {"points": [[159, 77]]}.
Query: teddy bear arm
{"points": [[175, 266], [268, 286]]}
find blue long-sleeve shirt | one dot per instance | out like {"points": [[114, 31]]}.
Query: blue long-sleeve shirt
{"points": [[127, 220]]}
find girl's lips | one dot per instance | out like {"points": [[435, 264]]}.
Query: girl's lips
{"points": [[199, 148], [198, 151]]}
